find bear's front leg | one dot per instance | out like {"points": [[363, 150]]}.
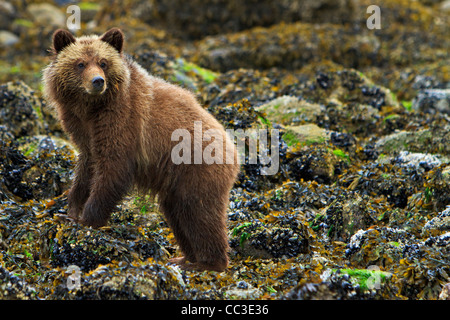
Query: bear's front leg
{"points": [[112, 180], [80, 190]]}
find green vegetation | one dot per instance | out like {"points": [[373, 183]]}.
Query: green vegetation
{"points": [[244, 235], [341, 154], [407, 105], [89, 6], [144, 203], [207, 75], [365, 278]]}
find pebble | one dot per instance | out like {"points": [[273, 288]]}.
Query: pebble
{"points": [[432, 101], [417, 161], [7, 38], [46, 14]]}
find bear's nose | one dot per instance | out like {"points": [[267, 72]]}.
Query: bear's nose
{"points": [[98, 82]]}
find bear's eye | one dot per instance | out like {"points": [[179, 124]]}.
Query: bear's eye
{"points": [[81, 65], [103, 65]]}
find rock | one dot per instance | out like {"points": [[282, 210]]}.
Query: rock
{"points": [[352, 284], [14, 288], [197, 19], [259, 48], [446, 174], [445, 5], [7, 14], [424, 141], [46, 14], [306, 134], [422, 82], [313, 162], [434, 267], [179, 71], [438, 224], [432, 101], [20, 110], [289, 110], [374, 245], [32, 146], [264, 241], [150, 281], [418, 161], [89, 10], [7, 38], [445, 292], [344, 217], [327, 10], [243, 290], [430, 2], [22, 26], [38, 168], [343, 140]]}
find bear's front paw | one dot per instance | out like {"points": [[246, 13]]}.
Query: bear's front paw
{"points": [[73, 213], [196, 266], [91, 216], [65, 218], [90, 222]]}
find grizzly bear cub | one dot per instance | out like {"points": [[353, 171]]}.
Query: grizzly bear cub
{"points": [[122, 120]]}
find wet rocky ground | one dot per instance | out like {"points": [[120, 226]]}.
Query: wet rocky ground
{"points": [[360, 205]]}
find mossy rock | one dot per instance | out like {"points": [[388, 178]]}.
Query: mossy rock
{"points": [[425, 140], [306, 134], [289, 110], [21, 110]]}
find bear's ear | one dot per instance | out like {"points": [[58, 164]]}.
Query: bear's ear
{"points": [[61, 39], [113, 37]]}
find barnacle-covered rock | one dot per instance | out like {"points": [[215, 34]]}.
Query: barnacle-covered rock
{"points": [[235, 85], [314, 163], [433, 140], [377, 246], [176, 70], [305, 134], [35, 168], [285, 237], [239, 115], [413, 161], [20, 110], [200, 18], [14, 288], [438, 224], [243, 290], [46, 14], [425, 268], [345, 284], [121, 280], [289, 110], [445, 293], [432, 101], [345, 216]]}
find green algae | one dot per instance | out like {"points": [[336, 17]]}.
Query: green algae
{"points": [[366, 279], [207, 75], [89, 5], [341, 154]]}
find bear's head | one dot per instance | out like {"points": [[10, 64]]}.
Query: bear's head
{"points": [[89, 65]]}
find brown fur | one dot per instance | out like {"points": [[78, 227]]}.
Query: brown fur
{"points": [[123, 132]]}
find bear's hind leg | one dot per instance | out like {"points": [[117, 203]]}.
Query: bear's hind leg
{"points": [[199, 227], [170, 208]]}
